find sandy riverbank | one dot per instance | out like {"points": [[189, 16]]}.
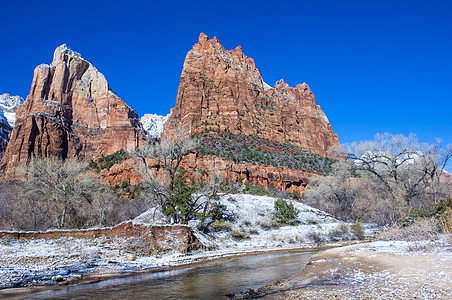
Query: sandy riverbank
{"points": [[376, 270]]}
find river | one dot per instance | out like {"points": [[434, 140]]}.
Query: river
{"points": [[208, 280]]}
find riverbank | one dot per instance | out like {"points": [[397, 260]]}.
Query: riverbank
{"points": [[41, 272], [375, 270], [59, 257]]}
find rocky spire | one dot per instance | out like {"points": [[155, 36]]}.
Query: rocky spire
{"points": [[71, 112]]}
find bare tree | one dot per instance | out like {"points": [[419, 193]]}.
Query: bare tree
{"points": [[166, 155], [64, 184], [180, 196], [381, 180], [406, 168]]}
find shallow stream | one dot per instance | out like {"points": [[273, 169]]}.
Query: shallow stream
{"points": [[208, 280]]}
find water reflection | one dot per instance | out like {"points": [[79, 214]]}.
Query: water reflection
{"points": [[209, 280]]}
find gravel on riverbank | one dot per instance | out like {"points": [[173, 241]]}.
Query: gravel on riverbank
{"points": [[376, 270]]}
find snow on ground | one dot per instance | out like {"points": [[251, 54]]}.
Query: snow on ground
{"points": [[252, 216], [48, 261], [376, 270], [153, 124]]}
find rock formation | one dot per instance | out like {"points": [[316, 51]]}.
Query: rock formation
{"points": [[281, 178], [223, 90], [71, 112], [8, 108], [5, 130], [153, 124]]}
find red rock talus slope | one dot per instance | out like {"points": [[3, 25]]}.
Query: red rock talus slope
{"points": [[223, 90], [71, 112]]}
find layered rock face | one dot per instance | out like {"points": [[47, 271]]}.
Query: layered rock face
{"points": [[223, 90], [281, 178], [71, 112]]}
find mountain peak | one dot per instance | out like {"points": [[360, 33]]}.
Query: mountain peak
{"points": [[63, 50], [71, 112], [203, 38]]}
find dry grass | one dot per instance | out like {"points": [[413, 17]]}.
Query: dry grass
{"points": [[445, 221], [420, 230]]}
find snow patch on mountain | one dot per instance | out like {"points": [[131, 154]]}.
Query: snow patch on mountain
{"points": [[266, 86], [8, 107], [153, 124]]}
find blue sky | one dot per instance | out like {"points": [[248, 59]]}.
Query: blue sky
{"points": [[374, 66]]}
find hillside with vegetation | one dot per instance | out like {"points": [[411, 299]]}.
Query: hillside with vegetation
{"points": [[260, 151]]}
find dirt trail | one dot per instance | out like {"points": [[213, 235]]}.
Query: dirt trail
{"points": [[379, 270]]}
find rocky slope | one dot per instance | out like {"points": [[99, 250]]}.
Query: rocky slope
{"points": [[223, 90], [8, 108], [71, 112]]}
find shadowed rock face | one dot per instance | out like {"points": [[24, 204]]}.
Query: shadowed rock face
{"points": [[5, 130], [223, 90], [71, 112]]}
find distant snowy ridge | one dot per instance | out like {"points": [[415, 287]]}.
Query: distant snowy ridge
{"points": [[8, 107], [153, 124]]}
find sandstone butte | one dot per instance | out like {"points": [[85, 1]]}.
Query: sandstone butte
{"points": [[223, 91], [71, 112]]}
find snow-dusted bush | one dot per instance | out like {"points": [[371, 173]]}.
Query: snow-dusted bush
{"points": [[239, 234], [285, 212]]}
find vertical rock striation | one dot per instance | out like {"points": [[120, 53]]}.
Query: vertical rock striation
{"points": [[71, 112], [223, 90]]}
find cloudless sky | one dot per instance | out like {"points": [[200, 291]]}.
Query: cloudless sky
{"points": [[374, 66]]}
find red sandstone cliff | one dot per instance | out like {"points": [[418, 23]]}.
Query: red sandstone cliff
{"points": [[71, 112], [223, 90], [281, 178]]}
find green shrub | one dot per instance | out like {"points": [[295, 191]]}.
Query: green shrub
{"points": [[357, 230], [430, 211], [344, 228], [285, 212]]}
